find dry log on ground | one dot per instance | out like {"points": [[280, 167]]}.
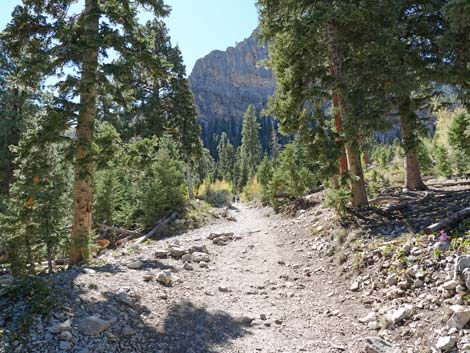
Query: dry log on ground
{"points": [[159, 227], [119, 230], [443, 185], [448, 222]]}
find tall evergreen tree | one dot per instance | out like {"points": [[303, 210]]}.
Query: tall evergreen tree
{"points": [[250, 149], [226, 158], [49, 37], [17, 107]]}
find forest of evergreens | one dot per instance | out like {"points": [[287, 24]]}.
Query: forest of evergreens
{"points": [[98, 125]]}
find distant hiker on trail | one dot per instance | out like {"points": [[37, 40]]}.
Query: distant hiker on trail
{"points": [[238, 198], [234, 199]]}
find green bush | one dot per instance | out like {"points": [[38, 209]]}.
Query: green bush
{"points": [[338, 199]]}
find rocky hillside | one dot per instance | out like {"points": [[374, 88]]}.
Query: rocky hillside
{"points": [[224, 83]]}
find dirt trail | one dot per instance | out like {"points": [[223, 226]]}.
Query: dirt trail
{"points": [[266, 291]]}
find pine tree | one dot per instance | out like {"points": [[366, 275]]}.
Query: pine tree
{"points": [[17, 107], [250, 149], [48, 38], [226, 158], [275, 146], [34, 227]]}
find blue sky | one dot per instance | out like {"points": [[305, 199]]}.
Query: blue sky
{"points": [[197, 26]]}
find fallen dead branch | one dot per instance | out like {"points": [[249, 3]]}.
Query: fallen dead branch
{"points": [[159, 227], [448, 222]]}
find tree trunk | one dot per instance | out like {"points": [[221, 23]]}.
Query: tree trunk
{"points": [[408, 127], [83, 182], [189, 181], [336, 63], [358, 186]]}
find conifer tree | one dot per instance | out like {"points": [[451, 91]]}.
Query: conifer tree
{"points": [[17, 107], [49, 37], [250, 149], [275, 146], [34, 227], [226, 158]]}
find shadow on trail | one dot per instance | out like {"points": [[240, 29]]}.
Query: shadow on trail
{"points": [[191, 329], [161, 326]]}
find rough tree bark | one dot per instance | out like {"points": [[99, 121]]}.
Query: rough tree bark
{"points": [[408, 126], [336, 59], [350, 158], [83, 182]]}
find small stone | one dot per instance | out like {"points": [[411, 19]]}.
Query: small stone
{"points": [[124, 298], [198, 248], [148, 277], [161, 253], [89, 271], [64, 326], [374, 325], [400, 314], [442, 246], [446, 343], [188, 267], [392, 280], [177, 252], [93, 326], [164, 277], [200, 256], [372, 316], [452, 284], [187, 258], [128, 331], [459, 318], [203, 264], [263, 317], [278, 322], [378, 345], [354, 287], [135, 265], [65, 345], [224, 289], [65, 336]]}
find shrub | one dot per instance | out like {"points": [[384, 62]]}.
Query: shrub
{"points": [[217, 193], [338, 199], [252, 190]]}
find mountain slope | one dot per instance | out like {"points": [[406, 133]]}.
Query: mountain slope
{"points": [[224, 83]]}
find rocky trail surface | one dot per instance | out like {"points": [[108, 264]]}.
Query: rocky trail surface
{"points": [[251, 285]]}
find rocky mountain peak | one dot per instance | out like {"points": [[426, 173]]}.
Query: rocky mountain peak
{"points": [[224, 83]]}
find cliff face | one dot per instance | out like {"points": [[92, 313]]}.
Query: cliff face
{"points": [[224, 83]]}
